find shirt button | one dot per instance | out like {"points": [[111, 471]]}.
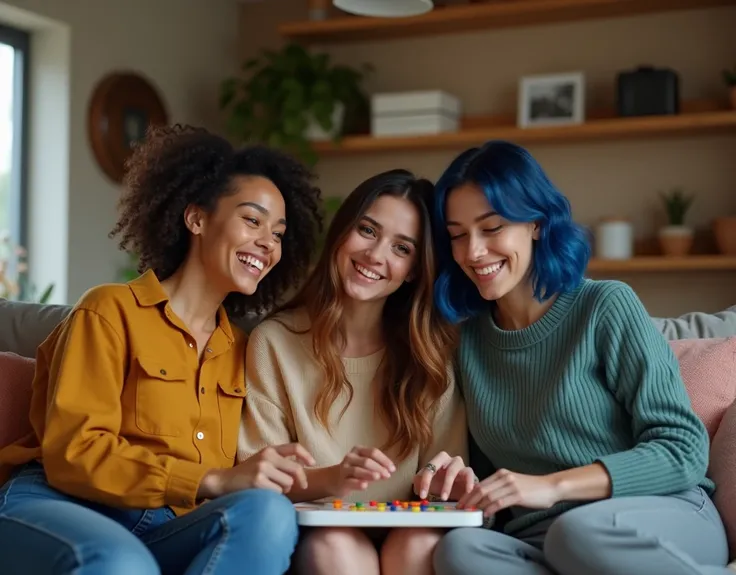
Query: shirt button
{"points": [[237, 390], [200, 435], [163, 372], [191, 344], [209, 350], [201, 389]]}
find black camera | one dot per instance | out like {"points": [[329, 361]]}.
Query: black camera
{"points": [[648, 91]]}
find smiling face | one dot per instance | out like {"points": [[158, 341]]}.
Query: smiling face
{"points": [[240, 240], [380, 252], [494, 253]]}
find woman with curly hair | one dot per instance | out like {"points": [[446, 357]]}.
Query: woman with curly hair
{"points": [[573, 396], [356, 369], [138, 393]]}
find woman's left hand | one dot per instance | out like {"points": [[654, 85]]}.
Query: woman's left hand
{"points": [[507, 489]]}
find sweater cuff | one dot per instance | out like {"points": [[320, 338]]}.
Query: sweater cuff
{"points": [[183, 484], [630, 474]]}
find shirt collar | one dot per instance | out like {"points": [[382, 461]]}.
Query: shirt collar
{"points": [[149, 292]]}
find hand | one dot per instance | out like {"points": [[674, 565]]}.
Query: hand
{"points": [[446, 476], [506, 489], [361, 466], [271, 468]]}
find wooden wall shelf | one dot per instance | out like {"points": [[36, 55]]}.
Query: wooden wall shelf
{"points": [[480, 16], [664, 264], [478, 130]]}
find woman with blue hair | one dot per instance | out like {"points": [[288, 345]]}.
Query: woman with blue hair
{"points": [[572, 394]]}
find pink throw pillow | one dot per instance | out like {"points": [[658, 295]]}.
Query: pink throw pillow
{"points": [[16, 377], [722, 470], [708, 368]]}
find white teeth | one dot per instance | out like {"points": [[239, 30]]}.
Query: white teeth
{"points": [[489, 269], [251, 261], [367, 273]]}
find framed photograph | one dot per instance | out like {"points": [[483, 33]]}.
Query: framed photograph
{"points": [[551, 100]]}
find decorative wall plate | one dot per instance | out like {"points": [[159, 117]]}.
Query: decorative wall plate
{"points": [[122, 107]]}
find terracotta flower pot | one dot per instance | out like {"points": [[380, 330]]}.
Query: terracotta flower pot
{"points": [[318, 9], [724, 230], [675, 241]]}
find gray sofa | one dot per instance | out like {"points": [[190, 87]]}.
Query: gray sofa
{"points": [[23, 325]]}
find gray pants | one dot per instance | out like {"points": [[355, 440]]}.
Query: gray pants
{"points": [[680, 534]]}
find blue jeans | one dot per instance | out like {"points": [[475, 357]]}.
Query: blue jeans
{"points": [[44, 531]]}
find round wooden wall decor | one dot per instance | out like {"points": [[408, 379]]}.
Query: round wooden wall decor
{"points": [[123, 106]]}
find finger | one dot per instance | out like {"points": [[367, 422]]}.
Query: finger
{"points": [[469, 479], [293, 469], [378, 456], [425, 482], [269, 476], [440, 460], [362, 474], [295, 450], [472, 498], [270, 485], [481, 489], [356, 484], [370, 464], [455, 467], [488, 485], [501, 499]]}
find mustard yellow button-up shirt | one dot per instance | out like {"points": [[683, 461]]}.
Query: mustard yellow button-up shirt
{"points": [[123, 411]]}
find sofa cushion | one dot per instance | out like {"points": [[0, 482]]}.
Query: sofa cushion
{"points": [[698, 325], [708, 369], [722, 471], [16, 377], [24, 325]]}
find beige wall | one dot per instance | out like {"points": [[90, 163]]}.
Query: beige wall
{"points": [[600, 179], [185, 46]]}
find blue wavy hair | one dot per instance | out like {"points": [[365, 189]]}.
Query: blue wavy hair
{"points": [[520, 191]]}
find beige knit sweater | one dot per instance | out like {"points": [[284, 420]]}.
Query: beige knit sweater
{"points": [[283, 379]]}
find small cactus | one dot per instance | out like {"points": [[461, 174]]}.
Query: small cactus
{"points": [[676, 203]]}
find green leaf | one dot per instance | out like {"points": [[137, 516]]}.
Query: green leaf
{"points": [[46, 295], [250, 64], [228, 89]]}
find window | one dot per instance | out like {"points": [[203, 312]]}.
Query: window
{"points": [[13, 113]]}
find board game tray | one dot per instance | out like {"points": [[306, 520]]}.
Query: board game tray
{"points": [[389, 514]]}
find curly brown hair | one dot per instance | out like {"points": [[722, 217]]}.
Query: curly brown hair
{"points": [[179, 165]]}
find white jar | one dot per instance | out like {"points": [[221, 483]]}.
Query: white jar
{"points": [[614, 239]]}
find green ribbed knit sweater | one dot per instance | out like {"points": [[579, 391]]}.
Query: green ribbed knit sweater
{"points": [[592, 380]]}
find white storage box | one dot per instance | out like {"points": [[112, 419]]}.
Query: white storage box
{"points": [[414, 113]]}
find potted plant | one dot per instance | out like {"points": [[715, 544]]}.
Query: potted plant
{"points": [[291, 97], [676, 238], [729, 77]]}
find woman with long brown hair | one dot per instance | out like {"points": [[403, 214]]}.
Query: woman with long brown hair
{"points": [[357, 369]]}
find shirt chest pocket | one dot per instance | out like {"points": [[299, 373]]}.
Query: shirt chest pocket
{"points": [[230, 404], [160, 397]]}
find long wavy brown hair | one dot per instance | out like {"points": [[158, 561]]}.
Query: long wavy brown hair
{"points": [[418, 342]]}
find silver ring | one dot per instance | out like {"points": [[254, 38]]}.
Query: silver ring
{"points": [[431, 467]]}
